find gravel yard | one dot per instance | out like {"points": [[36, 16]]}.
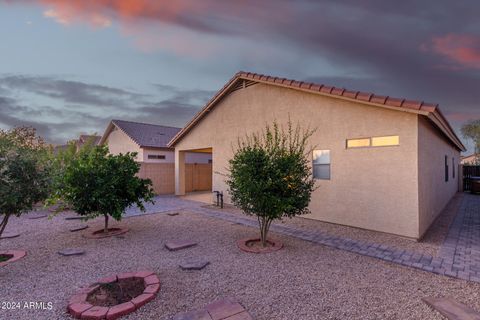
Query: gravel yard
{"points": [[301, 281]]}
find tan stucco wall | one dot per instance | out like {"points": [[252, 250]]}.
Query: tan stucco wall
{"points": [[434, 192], [118, 142], [372, 188]]}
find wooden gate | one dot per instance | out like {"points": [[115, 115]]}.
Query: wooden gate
{"points": [[469, 171], [198, 177]]}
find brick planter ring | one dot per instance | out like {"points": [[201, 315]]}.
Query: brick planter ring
{"points": [[111, 233], [14, 256], [80, 308], [274, 245]]}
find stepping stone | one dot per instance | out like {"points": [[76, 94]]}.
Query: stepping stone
{"points": [[37, 216], [452, 309], [171, 214], [178, 245], [78, 228], [193, 315], [73, 218], [71, 252], [194, 265], [226, 308], [9, 235]]}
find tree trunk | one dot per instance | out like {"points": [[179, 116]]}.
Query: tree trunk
{"points": [[105, 230], [264, 227], [3, 224]]}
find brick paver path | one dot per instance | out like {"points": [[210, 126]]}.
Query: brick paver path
{"points": [[458, 257]]}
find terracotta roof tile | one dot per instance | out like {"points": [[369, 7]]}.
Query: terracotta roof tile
{"points": [[412, 104], [394, 102], [338, 91], [306, 85], [429, 107], [350, 94], [326, 89], [378, 99], [364, 96], [316, 87]]}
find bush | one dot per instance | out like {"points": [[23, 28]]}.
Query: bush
{"points": [[24, 172], [270, 175], [96, 183]]}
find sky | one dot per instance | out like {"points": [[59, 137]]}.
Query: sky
{"points": [[68, 67]]}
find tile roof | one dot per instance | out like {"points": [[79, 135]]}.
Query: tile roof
{"points": [[147, 135], [432, 111], [85, 138]]}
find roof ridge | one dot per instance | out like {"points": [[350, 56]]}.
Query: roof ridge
{"points": [[400, 104], [344, 92], [144, 123]]}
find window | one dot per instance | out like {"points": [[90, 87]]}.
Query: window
{"points": [[321, 164], [210, 161], [384, 141], [446, 168], [156, 156], [358, 143], [453, 168]]}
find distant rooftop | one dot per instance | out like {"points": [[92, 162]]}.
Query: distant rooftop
{"points": [[147, 135]]}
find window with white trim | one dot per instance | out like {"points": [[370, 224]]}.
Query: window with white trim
{"points": [[321, 164]]}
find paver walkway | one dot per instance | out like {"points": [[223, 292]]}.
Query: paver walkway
{"points": [[458, 257]]}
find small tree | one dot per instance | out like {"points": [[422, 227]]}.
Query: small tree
{"points": [[24, 172], [270, 176], [471, 130], [96, 183]]}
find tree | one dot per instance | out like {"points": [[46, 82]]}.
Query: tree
{"points": [[270, 176], [24, 172], [471, 130], [96, 183]]}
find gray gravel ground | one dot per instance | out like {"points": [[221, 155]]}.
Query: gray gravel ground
{"points": [[301, 281]]}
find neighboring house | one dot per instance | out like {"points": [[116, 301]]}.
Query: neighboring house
{"points": [[381, 163], [84, 139], [473, 159], [150, 141]]}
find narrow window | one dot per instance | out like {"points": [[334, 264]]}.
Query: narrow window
{"points": [[453, 168], [446, 168], [156, 156], [385, 141], [358, 143], [321, 164]]}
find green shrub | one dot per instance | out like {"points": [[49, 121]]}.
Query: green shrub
{"points": [[96, 183], [270, 176], [24, 172]]}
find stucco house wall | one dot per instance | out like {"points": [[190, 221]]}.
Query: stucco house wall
{"points": [[118, 142], [372, 188], [434, 192]]}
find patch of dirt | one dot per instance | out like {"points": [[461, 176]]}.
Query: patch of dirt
{"points": [[5, 257], [114, 293]]}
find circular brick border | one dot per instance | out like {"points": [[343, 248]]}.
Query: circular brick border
{"points": [[100, 235], [242, 244], [80, 308], [17, 255]]}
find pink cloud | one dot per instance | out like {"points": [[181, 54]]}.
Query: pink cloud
{"points": [[463, 50]]}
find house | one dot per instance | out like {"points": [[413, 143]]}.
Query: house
{"points": [[381, 163], [473, 159], [87, 139], [149, 142]]}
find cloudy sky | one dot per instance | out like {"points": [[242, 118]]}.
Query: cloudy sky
{"points": [[67, 67]]}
